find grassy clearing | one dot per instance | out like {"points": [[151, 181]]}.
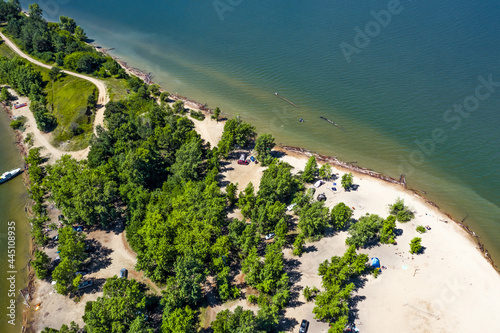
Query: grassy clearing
{"points": [[117, 88], [5, 50], [68, 102]]}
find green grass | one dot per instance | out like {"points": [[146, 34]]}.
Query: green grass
{"points": [[117, 88], [70, 105], [5, 50]]}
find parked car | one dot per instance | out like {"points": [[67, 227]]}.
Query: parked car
{"points": [[123, 273], [82, 273], [243, 159], [78, 228], [270, 236], [85, 284], [304, 326]]}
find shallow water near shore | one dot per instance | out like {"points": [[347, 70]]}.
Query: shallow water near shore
{"points": [[390, 99], [13, 198]]}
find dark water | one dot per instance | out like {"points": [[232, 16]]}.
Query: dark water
{"points": [[392, 98], [13, 198]]}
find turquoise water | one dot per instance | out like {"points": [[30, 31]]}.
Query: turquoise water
{"points": [[13, 198], [390, 98]]}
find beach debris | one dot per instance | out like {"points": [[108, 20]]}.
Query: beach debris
{"points": [[332, 122], [421, 311], [283, 98]]}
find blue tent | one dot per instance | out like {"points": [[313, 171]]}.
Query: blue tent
{"points": [[375, 262]]}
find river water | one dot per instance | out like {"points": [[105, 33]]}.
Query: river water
{"points": [[13, 264]]}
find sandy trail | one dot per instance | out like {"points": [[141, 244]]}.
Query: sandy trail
{"points": [[41, 138]]}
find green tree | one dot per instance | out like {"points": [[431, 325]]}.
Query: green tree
{"points": [[310, 170], [420, 229], [241, 321], [5, 95], [402, 212], [164, 97], [35, 12], [415, 245], [71, 244], [216, 114], [310, 293], [277, 183], [231, 195], [54, 73], [313, 219], [34, 157], [332, 304], [65, 276], [67, 23], [41, 264], [154, 89], [341, 214], [346, 181], [246, 201], [366, 229], [387, 232], [181, 320], [263, 145], [179, 107], [72, 328], [123, 300], [325, 172], [80, 34], [298, 245]]}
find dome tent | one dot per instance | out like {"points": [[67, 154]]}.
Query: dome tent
{"points": [[375, 262]]}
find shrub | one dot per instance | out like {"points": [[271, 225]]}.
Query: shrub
{"points": [[310, 293], [198, 115], [346, 181], [402, 212], [420, 229], [18, 123], [387, 233], [298, 245], [415, 245], [252, 299]]}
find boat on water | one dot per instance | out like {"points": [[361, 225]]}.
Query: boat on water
{"points": [[9, 175]]}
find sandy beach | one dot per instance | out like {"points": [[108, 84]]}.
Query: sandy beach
{"points": [[450, 287]]}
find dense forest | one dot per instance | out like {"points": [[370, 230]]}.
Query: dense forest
{"points": [[62, 43]]}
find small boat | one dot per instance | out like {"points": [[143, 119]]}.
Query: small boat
{"points": [[9, 175]]}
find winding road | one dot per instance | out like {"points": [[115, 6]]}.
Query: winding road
{"points": [[99, 117]]}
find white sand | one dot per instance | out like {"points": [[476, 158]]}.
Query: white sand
{"points": [[450, 287]]}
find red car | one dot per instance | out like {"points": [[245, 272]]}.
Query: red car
{"points": [[243, 159]]}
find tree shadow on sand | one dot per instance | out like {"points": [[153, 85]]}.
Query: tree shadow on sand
{"points": [[98, 256]]}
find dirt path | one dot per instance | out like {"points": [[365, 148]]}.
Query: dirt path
{"points": [[41, 138]]}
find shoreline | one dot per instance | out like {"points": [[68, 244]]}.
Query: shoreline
{"points": [[387, 179], [306, 152], [27, 315]]}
